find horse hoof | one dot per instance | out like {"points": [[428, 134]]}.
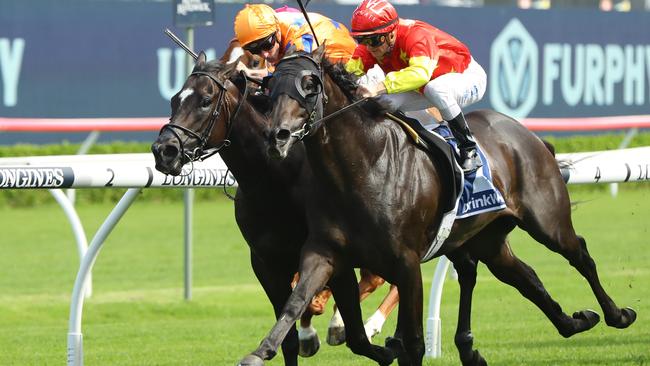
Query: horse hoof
{"points": [[251, 360], [309, 346], [335, 336], [475, 359], [478, 360], [587, 319], [395, 345], [628, 316]]}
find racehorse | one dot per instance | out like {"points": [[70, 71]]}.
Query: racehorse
{"points": [[378, 200], [215, 112]]}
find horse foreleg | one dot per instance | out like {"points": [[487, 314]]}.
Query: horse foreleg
{"points": [[346, 293], [368, 283], [307, 334], [409, 318], [277, 289], [466, 268], [315, 271]]}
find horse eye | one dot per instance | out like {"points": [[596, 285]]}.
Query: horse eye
{"points": [[205, 102]]}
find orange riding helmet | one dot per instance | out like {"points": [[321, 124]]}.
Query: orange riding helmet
{"points": [[373, 17], [255, 22]]}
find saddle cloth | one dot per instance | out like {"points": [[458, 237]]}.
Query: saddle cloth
{"points": [[477, 196]]}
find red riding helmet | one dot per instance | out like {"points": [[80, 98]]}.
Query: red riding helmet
{"points": [[373, 17]]}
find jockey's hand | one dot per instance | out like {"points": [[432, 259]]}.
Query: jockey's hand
{"points": [[241, 67], [257, 74], [371, 90]]}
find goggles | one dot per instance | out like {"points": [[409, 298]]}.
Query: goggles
{"points": [[372, 40], [264, 44]]}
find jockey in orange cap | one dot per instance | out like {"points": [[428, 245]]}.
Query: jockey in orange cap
{"points": [[417, 57], [270, 33]]}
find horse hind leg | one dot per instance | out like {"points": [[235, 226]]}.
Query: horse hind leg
{"points": [[502, 262], [562, 239]]}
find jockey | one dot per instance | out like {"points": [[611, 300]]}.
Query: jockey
{"points": [[270, 33], [425, 67]]}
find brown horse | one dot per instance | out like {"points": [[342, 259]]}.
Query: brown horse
{"points": [[214, 111], [378, 200]]}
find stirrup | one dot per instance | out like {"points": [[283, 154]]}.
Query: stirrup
{"points": [[471, 162]]}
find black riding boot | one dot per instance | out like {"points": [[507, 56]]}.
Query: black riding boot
{"points": [[470, 161]]}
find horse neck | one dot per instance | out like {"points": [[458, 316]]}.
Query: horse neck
{"points": [[345, 143], [246, 156]]}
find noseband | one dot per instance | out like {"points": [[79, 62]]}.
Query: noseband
{"points": [[200, 152]]}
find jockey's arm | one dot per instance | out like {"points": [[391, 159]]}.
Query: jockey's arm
{"points": [[412, 77]]}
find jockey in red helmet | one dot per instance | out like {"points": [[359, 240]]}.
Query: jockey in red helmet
{"points": [[424, 67]]}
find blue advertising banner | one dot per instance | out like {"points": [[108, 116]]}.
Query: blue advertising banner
{"points": [[80, 58]]}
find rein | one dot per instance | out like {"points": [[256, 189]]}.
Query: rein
{"points": [[308, 127]]}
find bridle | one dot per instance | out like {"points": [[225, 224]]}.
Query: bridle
{"points": [[312, 102], [291, 85], [200, 152]]}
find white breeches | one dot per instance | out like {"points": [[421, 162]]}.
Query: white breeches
{"points": [[449, 92]]}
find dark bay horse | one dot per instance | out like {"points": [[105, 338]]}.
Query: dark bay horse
{"points": [[212, 112], [378, 199]]}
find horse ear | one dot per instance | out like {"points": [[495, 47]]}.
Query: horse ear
{"points": [[228, 69], [319, 53], [201, 59]]}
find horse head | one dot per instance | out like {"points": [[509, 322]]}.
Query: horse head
{"points": [[202, 113], [297, 91]]}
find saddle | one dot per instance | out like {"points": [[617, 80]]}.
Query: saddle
{"points": [[437, 148]]}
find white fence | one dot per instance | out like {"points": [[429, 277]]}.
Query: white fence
{"points": [[136, 171]]}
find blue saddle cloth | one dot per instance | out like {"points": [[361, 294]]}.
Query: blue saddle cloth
{"points": [[479, 194]]}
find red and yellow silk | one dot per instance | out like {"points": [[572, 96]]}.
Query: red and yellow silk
{"points": [[421, 53]]}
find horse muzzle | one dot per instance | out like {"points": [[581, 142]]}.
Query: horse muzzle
{"points": [[280, 143], [168, 157]]}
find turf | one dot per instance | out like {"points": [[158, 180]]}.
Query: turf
{"points": [[136, 315]]}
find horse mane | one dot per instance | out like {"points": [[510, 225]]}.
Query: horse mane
{"points": [[347, 82]]}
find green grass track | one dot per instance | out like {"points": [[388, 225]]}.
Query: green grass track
{"points": [[137, 316]]}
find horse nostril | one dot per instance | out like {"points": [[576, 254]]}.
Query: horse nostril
{"points": [[283, 135], [170, 151]]}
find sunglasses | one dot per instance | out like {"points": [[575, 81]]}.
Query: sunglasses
{"points": [[258, 46], [373, 40]]}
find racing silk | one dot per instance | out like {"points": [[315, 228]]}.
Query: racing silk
{"points": [[421, 53], [296, 32]]}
